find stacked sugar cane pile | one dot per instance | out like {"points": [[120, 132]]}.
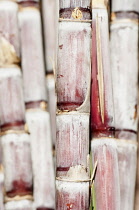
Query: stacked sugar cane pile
{"points": [[14, 139], [73, 92], [50, 26], [38, 118], [124, 63], [103, 144]]}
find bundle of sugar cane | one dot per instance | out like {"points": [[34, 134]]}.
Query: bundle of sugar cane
{"points": [[73, 92], [36, 104], [124, 63], [15, 142], [49, 23], [103, 145]]}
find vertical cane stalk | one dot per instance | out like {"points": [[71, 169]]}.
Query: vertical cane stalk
{"points": [[36, 104], [14, 139], [50, 27], [73, 90], [124, 63], [103, 144]]}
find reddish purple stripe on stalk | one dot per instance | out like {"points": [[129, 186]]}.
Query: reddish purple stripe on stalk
{"points": [[62, 168], [99, 127], [29, 3], [34, 104], [70, 106], [20, 188], [126, 14], [126, 130], [104, 132], [18, 124]]}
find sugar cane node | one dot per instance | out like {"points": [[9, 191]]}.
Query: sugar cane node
{"points": [[18, 198], [125, 17], [13, 132], [67, 112], [74, 20], [81, 180], [28, 4], [127, 141], [77, 14], [23, 8], [68, 180], [102, 138], [32, 105]]}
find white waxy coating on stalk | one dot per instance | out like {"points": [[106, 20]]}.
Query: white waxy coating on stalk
{"points": [[1, 190], [19, 205], [9, 23], [41, 149], [73, 194], [49, 19], [75, 3], [32, 55], [124, 64], [104, 151], [11, 95], [76, 173], [73, 74], [72, 139], [50, 83], [125, 5], [16, 159], [127, 161]]}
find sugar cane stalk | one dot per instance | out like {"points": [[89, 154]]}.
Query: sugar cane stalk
{"points": [[103, 144], [50, 28], [15, 142], [124, 63], [36, 104], [73, 90]]}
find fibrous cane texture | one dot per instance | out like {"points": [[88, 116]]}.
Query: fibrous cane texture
{"points": [[50, 84], [104, 151], [41, 149], [15, 143], [17, 164], [124, 63], [73, 90], [12, 111], [103, 145], [35, 99], [31, 50], [49, 23]]}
